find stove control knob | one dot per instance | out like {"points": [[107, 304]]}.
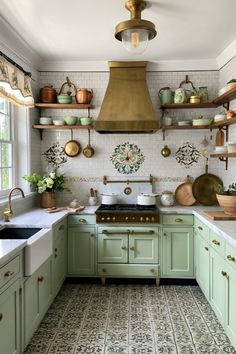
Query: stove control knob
{"points": [[126, 218], [133, 218], [141, 218], [108, 218], [114, 218], [147, 218], [153, 219], [102, 218]]}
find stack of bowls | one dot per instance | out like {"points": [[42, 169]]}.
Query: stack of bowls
{"points": [[219, 117], [45, 120], [221, 149], [232, 147]]}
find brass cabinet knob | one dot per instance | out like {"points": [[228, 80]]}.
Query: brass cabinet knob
{"points": [[164, 234], [9, 273], [104, 270], [224, 274], [55, 249], [216, 242], [152, 270], [200, 228], [83, 221], [91, 235], [1, 316], [62, 227], [124, 248], [55, 255], [132, 248], [231, 258], [178, 220], [40, 279], [206, 248]]}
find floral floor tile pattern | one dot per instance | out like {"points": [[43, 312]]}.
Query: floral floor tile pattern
{"points": [[129, 319]]}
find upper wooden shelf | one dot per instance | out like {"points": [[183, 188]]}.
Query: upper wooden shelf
{"points": [[180, 127], [63, 105], [51, 126], [226, 97]]}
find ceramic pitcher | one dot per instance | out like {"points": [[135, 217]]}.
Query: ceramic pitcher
{"points": [[166, 95]]}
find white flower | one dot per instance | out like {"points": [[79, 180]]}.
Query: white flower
{"points": [[49, 182], [52, 175]]}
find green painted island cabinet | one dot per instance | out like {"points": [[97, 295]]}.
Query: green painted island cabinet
{"points": [[10, 322], [128, 252], [81, 245], [177, 246]]}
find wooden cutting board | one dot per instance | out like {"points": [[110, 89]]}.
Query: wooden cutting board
{"points": [[220, 138], [219, 215]]}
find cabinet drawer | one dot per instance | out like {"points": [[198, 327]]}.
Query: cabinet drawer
{"points": [[60, 227], [81, 219], [177, 219], [217, 243], [9, 271], [202, 229], [127, 270], [230, 255]]}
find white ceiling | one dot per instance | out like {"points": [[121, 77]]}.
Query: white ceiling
{"points": [[84, 29]]}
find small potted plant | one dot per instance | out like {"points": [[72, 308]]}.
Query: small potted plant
{"points": [[46, 186], [227, 198]]}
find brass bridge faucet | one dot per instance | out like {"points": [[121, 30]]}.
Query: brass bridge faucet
{"points": [[8, 211]]}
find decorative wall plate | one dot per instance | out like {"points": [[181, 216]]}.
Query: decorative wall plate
{"points": [[187, 155], [127, 158], [55, 155]]}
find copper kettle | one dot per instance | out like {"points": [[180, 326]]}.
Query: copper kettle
{"points": [[84, 95]]}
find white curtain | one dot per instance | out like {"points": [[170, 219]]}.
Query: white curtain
{"points": [[15, 86]]}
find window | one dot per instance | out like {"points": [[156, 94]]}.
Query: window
{"points": [[6, 147]]}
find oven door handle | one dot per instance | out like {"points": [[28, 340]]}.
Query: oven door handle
{"points": [[106, 232], [149, 232]]}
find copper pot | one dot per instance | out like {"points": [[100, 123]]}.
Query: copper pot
{"points": [[84, 95], [48, 94]]}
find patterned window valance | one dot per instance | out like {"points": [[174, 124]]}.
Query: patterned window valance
{"points": [[15, 85]]}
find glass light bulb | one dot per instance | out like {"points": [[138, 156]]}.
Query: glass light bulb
{"points": [[135, 40]]}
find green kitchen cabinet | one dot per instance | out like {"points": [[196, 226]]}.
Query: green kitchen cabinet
{"points": [[230, 325], [203, 264], [59, 262], [81, 250], [38, 296], [10, 319], [177, 252], [113, 248]]}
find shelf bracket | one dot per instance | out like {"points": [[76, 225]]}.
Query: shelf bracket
{"points": [[224, 159], [226, 105], [163, 135], [41, 133]]}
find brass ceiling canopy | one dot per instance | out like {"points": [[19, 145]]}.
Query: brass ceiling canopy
{"points": [[135, 31], [127, 106]]}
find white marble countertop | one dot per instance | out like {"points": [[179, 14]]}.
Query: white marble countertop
{"points": [[40, 218]]}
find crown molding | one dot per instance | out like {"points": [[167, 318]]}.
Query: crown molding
{"points": [[226, 55]]}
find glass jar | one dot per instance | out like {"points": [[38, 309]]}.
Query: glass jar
{"points": [[203, 93]]}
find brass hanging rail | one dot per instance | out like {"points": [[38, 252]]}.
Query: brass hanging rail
{"points": [[150, 180], [15, 64]]}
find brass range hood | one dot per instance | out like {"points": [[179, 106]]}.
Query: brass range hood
{"points": [[127, 106]]}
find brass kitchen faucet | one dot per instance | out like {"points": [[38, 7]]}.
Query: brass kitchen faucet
{"points": [[8, 211]]}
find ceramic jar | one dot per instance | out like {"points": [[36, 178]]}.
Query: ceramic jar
{"points": [[203, 94], [48, 94], [167, 198], [84, 95], [165, 95], [180, 96], [92, 201]]}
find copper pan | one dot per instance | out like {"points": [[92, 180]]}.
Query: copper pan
{"points": [[72, 148]]}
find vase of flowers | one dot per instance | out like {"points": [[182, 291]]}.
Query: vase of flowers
{"points": [[46, 186]]}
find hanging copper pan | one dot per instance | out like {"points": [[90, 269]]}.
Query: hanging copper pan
{"points": [[72, 148]]}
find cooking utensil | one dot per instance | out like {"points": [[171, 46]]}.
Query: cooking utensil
{"points": [[220, 138], [184, 193], [147, 199], [84, 95], [88, 151], [109, 199], [72, 148], [204, 188]]}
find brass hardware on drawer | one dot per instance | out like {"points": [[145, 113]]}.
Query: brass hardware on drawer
{"points": [[9, 273], [216, 242], [55, 256], [224, 274], [40, 279], [1, 316], [83, 221], [230, 258], [104, 270], [62, 227], [91, 235], [132, 248], [124, 248], [55, 249], [164, 234], [178, 220], [200, 228], [206, 248], [152, 270]]}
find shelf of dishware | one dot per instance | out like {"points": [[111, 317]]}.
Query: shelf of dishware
{"points": [[51, 126], [63, 105]]}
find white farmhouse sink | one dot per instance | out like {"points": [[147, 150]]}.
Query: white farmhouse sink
{"points": [[37, 251]]}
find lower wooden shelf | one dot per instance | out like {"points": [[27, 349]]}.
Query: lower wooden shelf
{"points": [[42, 127], [224, 157]]}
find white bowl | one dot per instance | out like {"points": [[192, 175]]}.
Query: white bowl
{"points": [[57, 122], [221, 149], [45, 120], [202, 121], [219, 117], [184, 122]]}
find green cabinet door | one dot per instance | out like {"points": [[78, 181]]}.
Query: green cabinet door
{"points": [[59, 256], [10, 320], [37, 298], [177, 251], [143, 248], [218, 285], [81, 250], [203, 265], [113, 248], [231, 304]]}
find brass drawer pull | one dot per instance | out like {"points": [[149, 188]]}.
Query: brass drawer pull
{"points": [[164, 234], [216, 242], [55, 256], [9, 273], [104, 270], [62, 227], [132, 248], [152, 270], [124, 248], [178, 220], [83, 221], [230, 258], [200, 228], [91, 235], [225, 274], [206, 248], [1, 316], [40, 279]]}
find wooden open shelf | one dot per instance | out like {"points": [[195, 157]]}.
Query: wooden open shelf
{"points": [[63, 105], [42, 127], [224, 154], [180, 127], [188, 105]]}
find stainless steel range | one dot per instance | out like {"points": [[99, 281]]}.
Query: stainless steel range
{"points": [[127, 213]]}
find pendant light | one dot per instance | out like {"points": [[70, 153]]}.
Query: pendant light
{"points": [[135, 33]]}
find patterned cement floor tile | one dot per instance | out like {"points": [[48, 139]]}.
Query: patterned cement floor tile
{"points": [[129, 319]]}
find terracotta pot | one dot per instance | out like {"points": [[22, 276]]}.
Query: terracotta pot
{"points": [[48, 94], [228, 203], [48, 200]]}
